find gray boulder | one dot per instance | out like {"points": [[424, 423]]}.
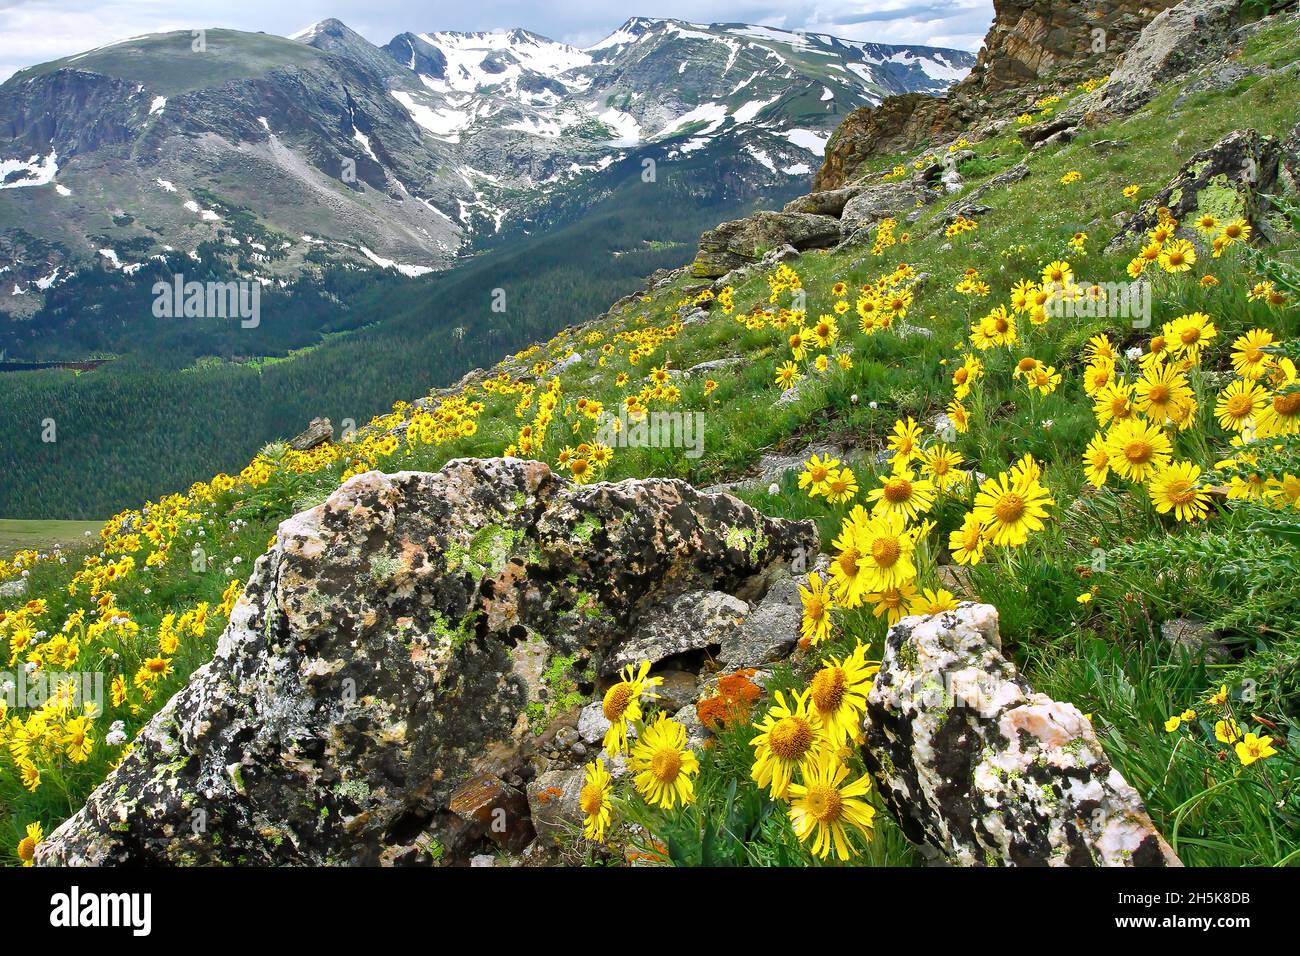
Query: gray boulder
{"points": [[1175, 42], [975, 764], [741, 242], [691, 621], [366, 681]]}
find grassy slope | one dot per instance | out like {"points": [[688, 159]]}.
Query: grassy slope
{"points": [[167, 64], [1103, 658], [42, 535]]}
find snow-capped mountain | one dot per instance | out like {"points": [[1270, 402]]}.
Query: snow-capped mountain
{"points": [[324, 146]]}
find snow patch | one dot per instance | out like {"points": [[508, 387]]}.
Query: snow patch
{"points": [[406, 270], [37, 171], [808, 139]]}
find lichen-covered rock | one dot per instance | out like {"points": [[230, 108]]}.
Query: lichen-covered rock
{"points": [[972, 762], [742, 242], [368, 676], [1225, 180]]}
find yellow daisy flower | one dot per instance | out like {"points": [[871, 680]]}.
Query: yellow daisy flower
{"points": [[664, 765]]}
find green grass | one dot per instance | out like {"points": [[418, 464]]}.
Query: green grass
{"points": [[167, 64], [41, 535]]}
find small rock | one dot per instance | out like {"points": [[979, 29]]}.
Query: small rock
{"points": [[1195, 637], [497, 808], [592, 724], [13, 589], [678, 689], [318, 432], [554, 800]]}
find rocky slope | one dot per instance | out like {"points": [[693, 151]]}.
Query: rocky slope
{"points": [[1033, 47], [281, 152]]}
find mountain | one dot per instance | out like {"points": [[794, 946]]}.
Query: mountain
{"points": [[275, 154]]}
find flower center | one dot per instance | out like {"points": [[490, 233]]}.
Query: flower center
{"points": [[849, 562], [898, 490], [1180, 491], [961, 376], [1190, 336], [26, 849], [591, 799], [824, 803], [815, 608], [1009, 508], [885, 551], [790, 738], [1139, 452], [666, 764], [1159, 394], [1288, 405], [1239, 406], [818, 474], [828, 686], [617, 699]]}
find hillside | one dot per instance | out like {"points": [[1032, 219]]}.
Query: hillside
{"points": [[1092, 510]]}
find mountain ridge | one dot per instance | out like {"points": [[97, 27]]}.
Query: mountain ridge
{"points": [[327, 147]]}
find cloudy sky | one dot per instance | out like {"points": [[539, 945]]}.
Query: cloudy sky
{"points": [[34, 31]]}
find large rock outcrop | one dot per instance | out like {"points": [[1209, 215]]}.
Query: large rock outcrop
{"points": [[1182, 38], [1228, 180], [977, 766], [383, 682], [743, 242], [1031, 43]]}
